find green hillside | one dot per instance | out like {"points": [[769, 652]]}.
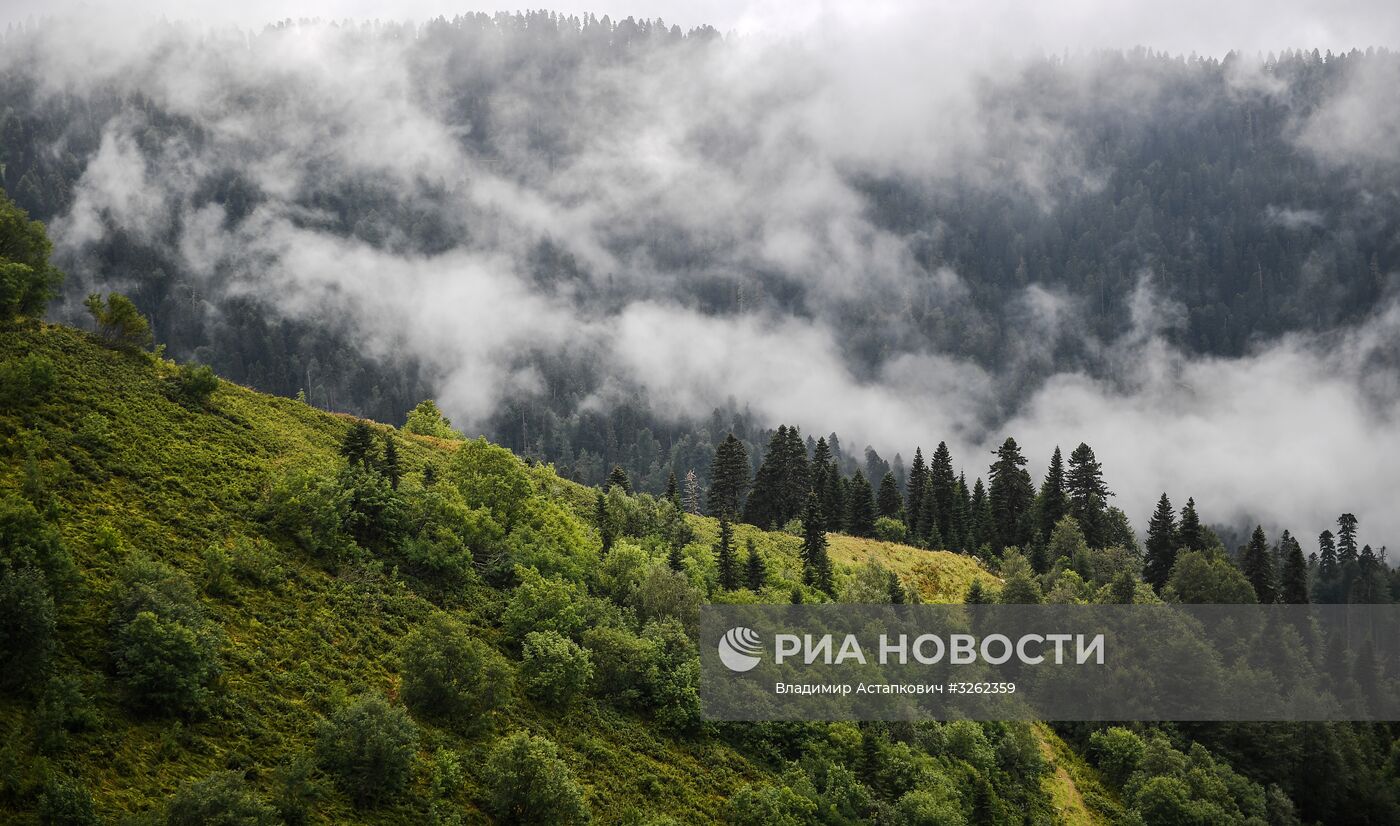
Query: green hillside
{"points": [[284, 583]]}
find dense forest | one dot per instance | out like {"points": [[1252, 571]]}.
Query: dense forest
{"points": [[1210, 174]]}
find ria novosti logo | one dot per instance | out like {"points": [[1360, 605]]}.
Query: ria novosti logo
{"points": [[738, 649]]}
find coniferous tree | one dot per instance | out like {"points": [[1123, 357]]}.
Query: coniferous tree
{"points": [[889, 502], [1053, 502], [729, 478], [816, 565], [725, 559], [390, 466], [977, 595], [1346, 538], [1010, 498], [796, 481], [896, 589], [1162, 542], [692, 493], [675, 559], [1326, 556], [1190, 535], [755, 571], [980, 532], [1294, 585], [1088, 495], [604, 522], [617, 478], [673, 493], [944, 485], [929, 534], [358, 446], [430, 475], [918, 485], [783, 480], [834, 498], [1257, 564], [961, 522], [821, 472], [860, 520]]}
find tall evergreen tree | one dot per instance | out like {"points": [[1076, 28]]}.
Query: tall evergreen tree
{"points": [[390, 465], [617, 478], [1161, 545], [980, 518], [1346, 538], [889, 502], [961, 522], [357, 447], [1010, 498], [1257, 564], [729, 478], [783, 480], [673, 492], [1053, 502], [929, 534], [1294, 580], [604, 522], [835, 497], [1326, 556], [944, 485], [755, 571], [816, 565], [796, 480], [1190, 535], [726, 561], [860, 520], [1088, 495], [918, 484]]}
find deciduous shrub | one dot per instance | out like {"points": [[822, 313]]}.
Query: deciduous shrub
{"points": [[449, 676], [26, 627], [65, 801], [26, 380], [529, 784], [194, 383], [368, 748], [164, 646], [890, 529], [221, 799], [119, 324], [555, 669]]}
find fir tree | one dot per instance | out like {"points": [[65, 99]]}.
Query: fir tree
{"points": [[1327, 556], [725, 559], [692, 493], [675, 558], [896, 590], [1346, 538], [1257, 565], [860, 519], [1161, 545], [889, 502], [604, 522], [1010, 498], [1190, 535], [977, 595], [980, 519], [430, 475], [944, 485], [390, 466], [358, 445], [834, 498], [929, 534], [816, 565], [918, 486], [617, 478], [1053, 503], [729, 478], [1294, 585], [1088, 495], [755, 570], [673, 493], [783, 480]]}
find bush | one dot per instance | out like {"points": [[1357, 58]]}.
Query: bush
{"points": [[310, 508], [368, 748], [221, 799], [529, 784], [770, 805], [66, 802], [25, 381], [540, 604], [28, 540], [673, 675], [27, 627], [665, 594], [555, 669], [449, 676], [427, 420], [27, 279], [445, 532], [890, 529], [119, 324], [620, 660], [195, 383], [164, 646]]}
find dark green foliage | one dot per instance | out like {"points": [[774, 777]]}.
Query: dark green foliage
{"points": [[165, 649], [451, 677], [554, 669], [981, 526], [860, 507], [1257, 564], [726, 560], [65, 801], [976, 594], [918, 487], [194, 384], [943, 484], [28, 539], [27, 627], [729, 478], [221, 799], [357, 448], [603, 521], [755, 571], [389, 465], [530, 785], [1346, 539], [816, 565], [888, 503], [1161, 545], [1088, 494], [367, 747], [1053, 502], [1327, 561], [1190, 534], [673, 493], [618, 479], [25, 381], [119, 324], [783, 480], [1202, 578], [1293, 589], [1010, 498], [27, 279]]}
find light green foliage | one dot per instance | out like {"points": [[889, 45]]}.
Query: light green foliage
{"points": [[929, 807], [554, 668], [620, 664], [665, 594], [673, 675], [1200, 577], [368, 748], [449, 676], [164, 647], [194, 383], [25, 381], [29, 540], [1162, 785], [540, 604], [310, 508], [889, 529], [427, 420], [529, 784], [869, 584], [221, 799], [1022, 586], [445, 530], [770, 805], [119, 324]]}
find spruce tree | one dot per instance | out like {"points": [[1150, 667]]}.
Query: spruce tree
{"points": [[960, 524], [729, 478], [980, 517], [833, 499], [860, 519], [1326, 556], [1294, 585], [918, 485], [1053, 503], [675, 558], [673, 493], [944, 485], [1088, 495], [1346, 538], [604, 522], [430, 475], [929, 535], [889, 502], [977, 595], [796, 480], [896, 589], [762, 505], [1009, 498], [755, 571], [358, 446], [1257, 565], [725, 559], [617, 478], [1190, 535], [1161, 545], [390, 465], [821, 473], [816, 565]]}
